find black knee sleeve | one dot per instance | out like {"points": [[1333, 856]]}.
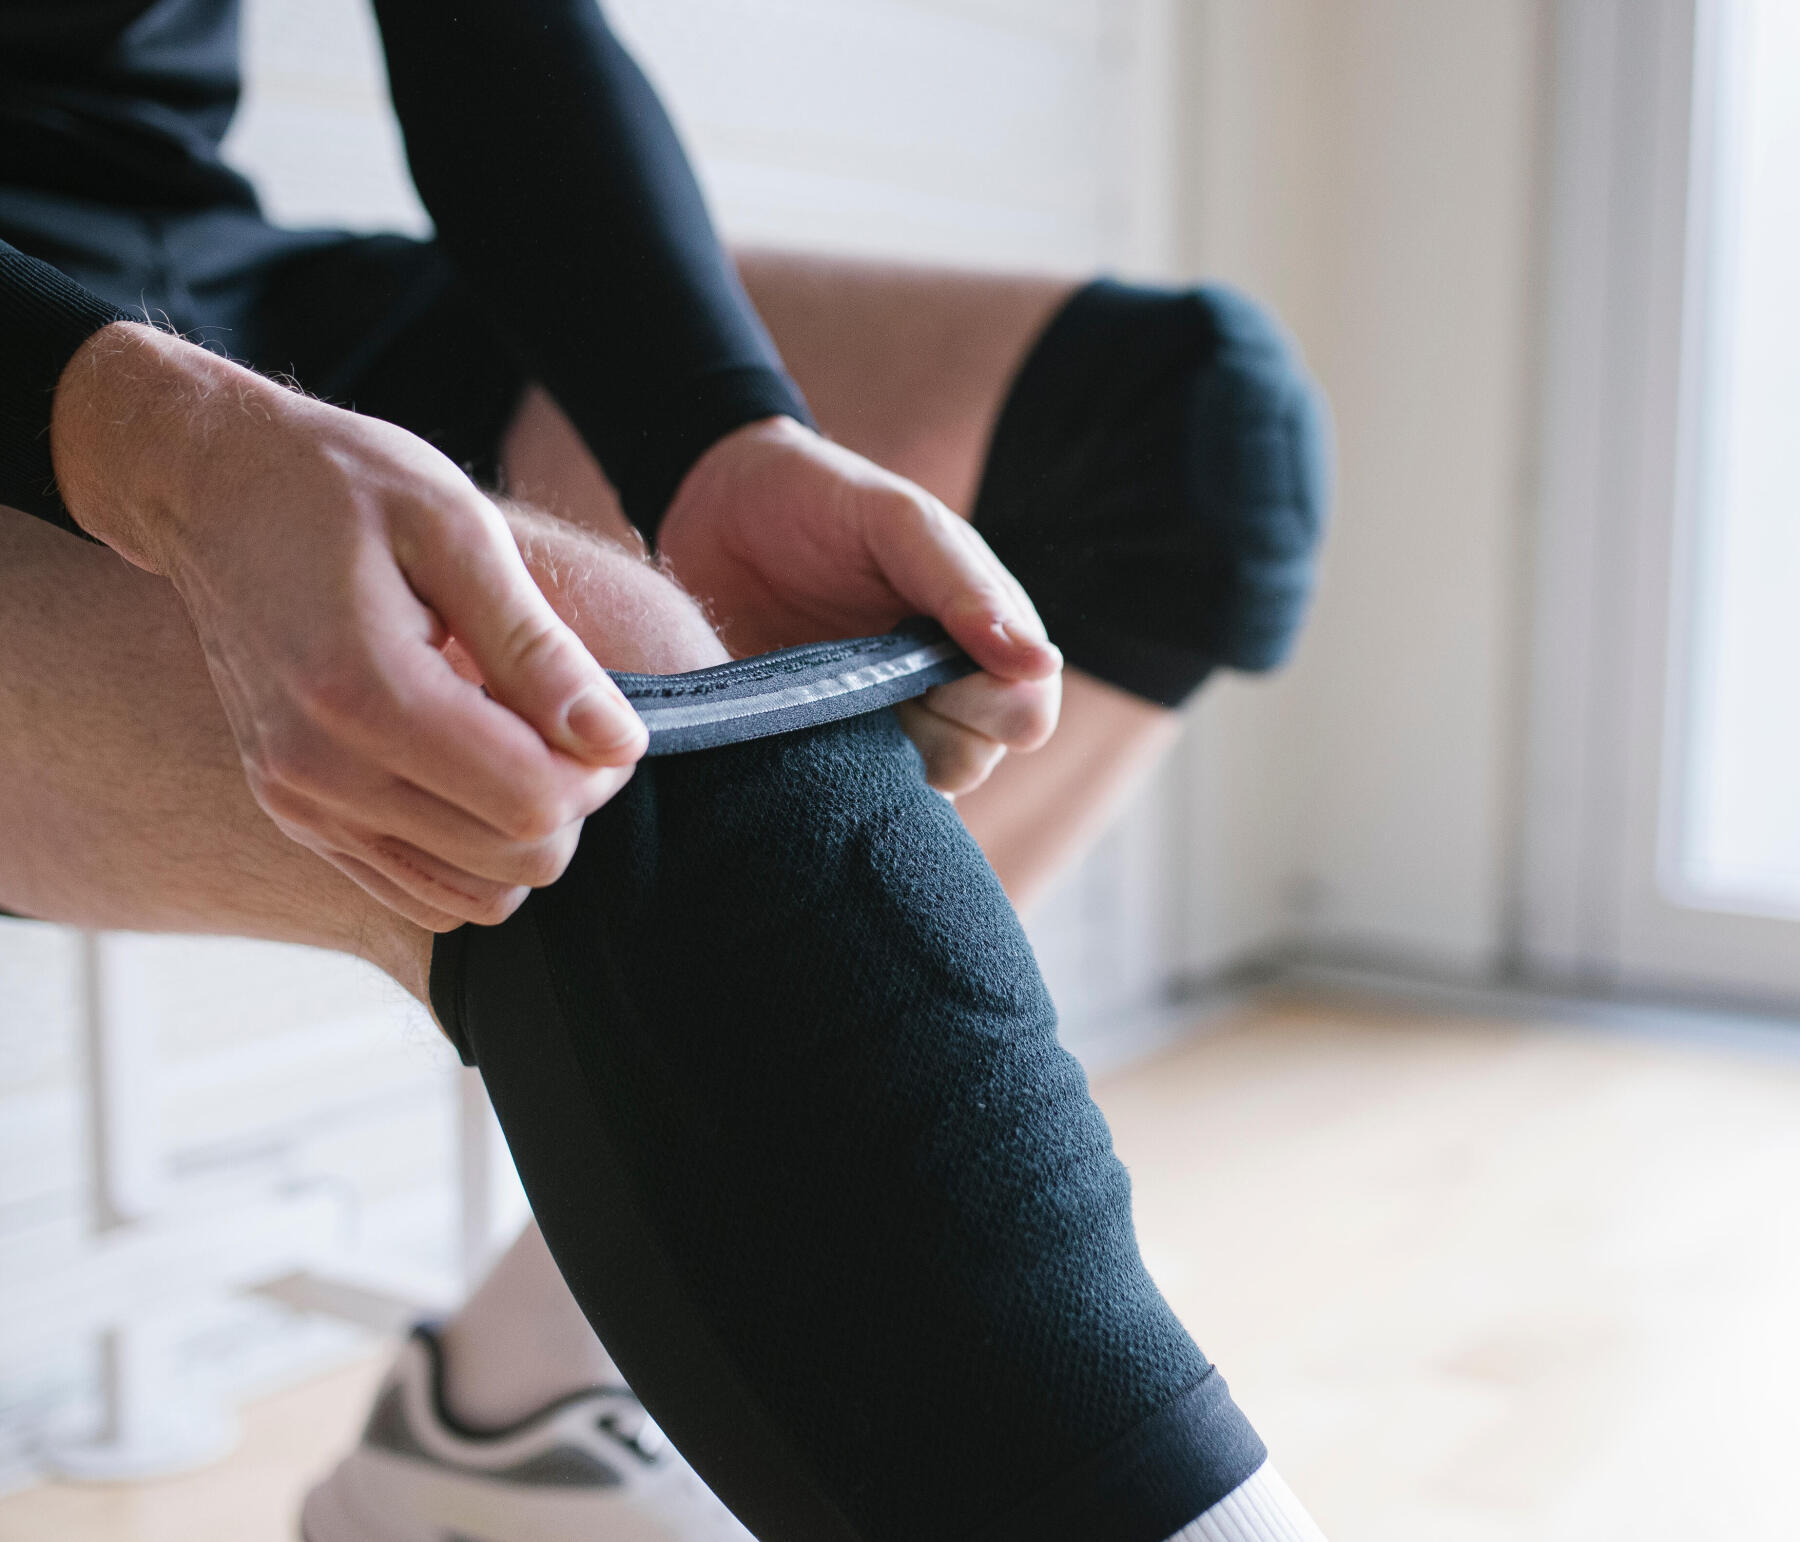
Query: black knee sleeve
{"points": [[1157, 482], [782, 1083]]}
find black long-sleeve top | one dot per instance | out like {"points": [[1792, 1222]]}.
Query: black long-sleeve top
{"points": [[553, 175]]}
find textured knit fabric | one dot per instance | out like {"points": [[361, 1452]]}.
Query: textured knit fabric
{"points": [[1157, 481], [121, 102], [782, 1082], [559, 190]]}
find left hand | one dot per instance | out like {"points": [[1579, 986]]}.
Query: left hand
{"points": [[788, 538]]}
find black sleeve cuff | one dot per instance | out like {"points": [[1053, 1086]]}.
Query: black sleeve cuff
{"points": [[692, 422], [46, 316]]}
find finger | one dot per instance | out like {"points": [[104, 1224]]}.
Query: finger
{"points": [[1020, 714], [941, 567], [957, 759], [394, 703], [429, 886], [390, 807], [390, 894], [474, 579], [463, 895], [457, 657]]}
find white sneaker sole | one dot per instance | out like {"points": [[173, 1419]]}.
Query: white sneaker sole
{"points": [[374, 1496]]}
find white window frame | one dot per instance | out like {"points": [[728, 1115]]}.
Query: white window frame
{"points": [[1625, 285]]}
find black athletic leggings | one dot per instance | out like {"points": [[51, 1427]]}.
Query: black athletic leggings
{"points": [[782, 1082]]}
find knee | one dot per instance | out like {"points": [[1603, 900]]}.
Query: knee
{"points": [[1158, 482], [630, 614], [1252, 494]]}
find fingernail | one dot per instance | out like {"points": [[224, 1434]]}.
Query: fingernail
{"points": [[601, 721], [1017, 637]]}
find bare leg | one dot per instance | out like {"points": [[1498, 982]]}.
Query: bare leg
{"points": [[519, 1341], [122, 800], [910, 366], [907, 365]]}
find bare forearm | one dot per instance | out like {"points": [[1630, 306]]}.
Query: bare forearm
{"points": [[136, 413]]}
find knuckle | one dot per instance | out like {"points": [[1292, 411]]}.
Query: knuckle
{"points": [[536, 819], [1020, 715], [962, 760], [287, 762], [484, 901], [303, 831], [464, 525], [344, 686], [1036, 734], [1027, 721], [534, 640], [281, 801], [605, 786], [902, 508], [434, 921], [494, 903], [919, 508], [971, 770], [545, 862]]}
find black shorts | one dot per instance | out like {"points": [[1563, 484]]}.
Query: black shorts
{"points": [[377, 323]]}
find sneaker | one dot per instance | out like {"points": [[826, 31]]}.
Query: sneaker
{"points": [[589, 1465]]}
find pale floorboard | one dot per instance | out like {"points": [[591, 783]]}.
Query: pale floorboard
{"points": [[1476, 1282]]}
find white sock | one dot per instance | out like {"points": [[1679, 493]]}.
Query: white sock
{"points": [[1260, 1509], [520, 1341]]}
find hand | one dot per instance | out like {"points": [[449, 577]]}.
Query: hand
{"points": [[788, 538], [326, 560]]}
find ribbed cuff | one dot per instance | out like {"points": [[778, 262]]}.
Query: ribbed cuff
{"points": [[1260, 1509], [46, 316], [691, 423]]}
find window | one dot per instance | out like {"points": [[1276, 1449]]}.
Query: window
{"points": [[1661, 818], [1738, 845]]}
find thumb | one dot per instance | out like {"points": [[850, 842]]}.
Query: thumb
{"points": [[532, 663], [942, 567]]}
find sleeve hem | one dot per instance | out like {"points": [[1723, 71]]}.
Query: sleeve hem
{"points": [[47, 316], [694, 420]]}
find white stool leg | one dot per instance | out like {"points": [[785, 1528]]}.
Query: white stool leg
{"points": [[152, 1423]]}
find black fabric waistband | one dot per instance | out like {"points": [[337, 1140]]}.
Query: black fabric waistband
{"points": [[777, 693]]}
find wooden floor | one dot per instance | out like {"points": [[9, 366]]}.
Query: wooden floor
{"points": [[1474, 1282]]}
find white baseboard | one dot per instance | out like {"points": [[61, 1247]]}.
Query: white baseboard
{"points": [[1749, 1029]]}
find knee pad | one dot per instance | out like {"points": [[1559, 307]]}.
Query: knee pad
{"points": [[1157, 481], [782, 1082]]}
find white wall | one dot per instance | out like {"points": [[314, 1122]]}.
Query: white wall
{"points": [[1371, 167], [993, 132]]}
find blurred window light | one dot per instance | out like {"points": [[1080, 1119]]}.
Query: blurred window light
{"points": [[1738, 845]]}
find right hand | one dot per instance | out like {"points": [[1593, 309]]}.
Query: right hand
{"points": [[326, 560]]}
